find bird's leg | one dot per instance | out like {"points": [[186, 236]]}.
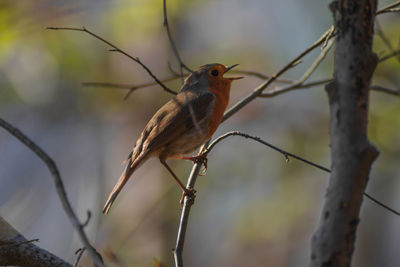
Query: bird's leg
{"points": [[200, 158], [186, 192]]}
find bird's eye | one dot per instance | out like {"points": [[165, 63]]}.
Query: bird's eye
{"points": [[214, 73]]}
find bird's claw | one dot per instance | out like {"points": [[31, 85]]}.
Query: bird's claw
{"points": [[190, 193], [201, 159]]}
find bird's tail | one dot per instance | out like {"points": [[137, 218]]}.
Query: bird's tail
{"points": [[131, 166]]}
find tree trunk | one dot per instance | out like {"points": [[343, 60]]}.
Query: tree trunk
{"points": [[351, 153]]}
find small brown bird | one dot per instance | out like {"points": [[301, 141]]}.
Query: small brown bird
{"points": [[182, 125]]}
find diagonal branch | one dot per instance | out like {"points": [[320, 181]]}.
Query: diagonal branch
{"points": [[306, 75], [387, 8], [117, 49], [62, 194], [259, 90], [287, 155]]}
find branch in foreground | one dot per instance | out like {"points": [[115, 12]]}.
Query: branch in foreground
{"points": [[136, 59], [388, 56], [16, 250], [51, 165]]}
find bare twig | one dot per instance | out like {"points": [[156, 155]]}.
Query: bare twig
{"points": [[62, 194], [89, 216], [258, 139], [281, 90], [384, 38], [299, 84], [388, 8], [388, 56], [259, 90], [172, 43], [287, 155], [79, 252], [131, 87], [136, 59]]}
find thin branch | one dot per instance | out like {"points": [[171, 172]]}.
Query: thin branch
{"points": [[281, 90], [88, 217], [79, 252], [287, 155], [62, 194], [388, 56], [299, 84], [385, 90], [259, 90], [171, 41], [131, 87], [136, 59], [386, 8], [382, 35], [258, 139]]}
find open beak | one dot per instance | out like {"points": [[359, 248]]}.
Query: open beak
{"points": [[232, 78]]}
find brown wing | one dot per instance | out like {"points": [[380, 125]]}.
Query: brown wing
{"points": [[173, 119]]}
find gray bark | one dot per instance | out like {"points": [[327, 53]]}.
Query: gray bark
{"points": [[351, 153]]}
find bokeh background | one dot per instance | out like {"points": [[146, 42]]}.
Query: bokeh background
{"points": [[252, 208]]}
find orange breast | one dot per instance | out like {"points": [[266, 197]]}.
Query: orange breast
{"points": [[221, 89]]}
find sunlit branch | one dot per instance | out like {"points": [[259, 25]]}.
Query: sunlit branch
{"points": [[300, 83], [259, 90], [388, 56]]}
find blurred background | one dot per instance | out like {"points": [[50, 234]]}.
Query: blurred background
{"points": [[252, 208]]}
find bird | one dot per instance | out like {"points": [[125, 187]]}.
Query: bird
{"points": [[181, 125]]}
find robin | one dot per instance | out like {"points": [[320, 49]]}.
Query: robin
{"points": [[182, 125]]}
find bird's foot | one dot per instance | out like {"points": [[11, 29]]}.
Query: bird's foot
{"points": [[190, 193], [196, 159]]}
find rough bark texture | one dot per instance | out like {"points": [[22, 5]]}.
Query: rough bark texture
{"points": [[351, 153], [15, 251]]}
